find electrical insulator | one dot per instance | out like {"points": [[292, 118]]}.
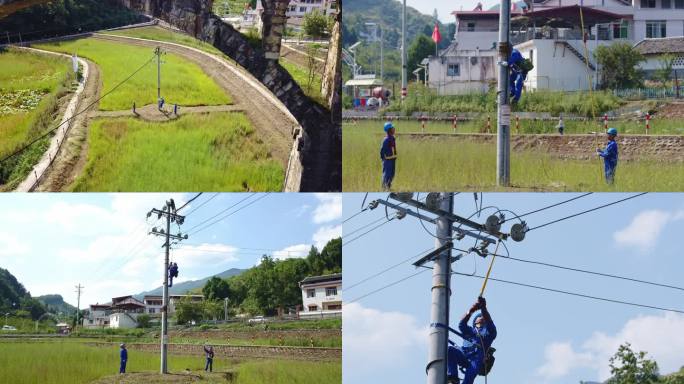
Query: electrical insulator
{"points": [[404, 196], [401, 214], [432, 200], [373, 204], [493, 224], [518, 231]]}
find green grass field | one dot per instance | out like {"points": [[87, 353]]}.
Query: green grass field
{"points": [[453, 164], [207, 152], [30, 85], [658, 127], [56, 362], [298, 73], [182, 83]]}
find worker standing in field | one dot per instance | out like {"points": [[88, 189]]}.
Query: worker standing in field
{"points": [[610, 155], [124, 358], [388, 155], [209, 352]]}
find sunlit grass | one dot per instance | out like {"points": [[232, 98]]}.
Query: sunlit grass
{"points": [[182, 82], [458, 164], [207, 152]]}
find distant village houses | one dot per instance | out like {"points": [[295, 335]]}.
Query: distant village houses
{"points": [[321, 296]]}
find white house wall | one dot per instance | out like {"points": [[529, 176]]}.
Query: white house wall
{"points": [[320, 295], [472, 77]]}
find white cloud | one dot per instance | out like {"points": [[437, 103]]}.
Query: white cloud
{"points": [[293, 251], [11, 246], [328, 209], [660, 336], [325, 234], [644, 230], [188, 256], [378, 340]]}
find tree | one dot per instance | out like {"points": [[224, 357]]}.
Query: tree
{"points": [[421, 47], [619, 63], [188, 310], [315, 24], [216, 289], [213, 309], [144, 321], [663, 73], [628, 367]]}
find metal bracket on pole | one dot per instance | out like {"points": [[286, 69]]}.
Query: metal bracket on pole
{"points": [[432, 255]]}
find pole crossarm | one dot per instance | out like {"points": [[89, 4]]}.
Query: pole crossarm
{"points": [[432, 255], [459, 231]]}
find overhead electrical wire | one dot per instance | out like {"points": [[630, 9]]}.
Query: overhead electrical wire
{"points": [[202, 204], [231, 213], [587, 211], [347, 288], [387, 286], [221, 212], [573, 293], [547, 207], [368, 231], [189, 201], [49, 131]]}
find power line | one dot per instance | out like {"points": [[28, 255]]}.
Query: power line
{"points": [[225, 210], [592, 272], [550, 206], [368, 231], [587, 211], [365, 226], [201, 205], [48, 132], [573, 293], [231, 213], [189, 201], [354, 215], [386, 269], [387, 286]]}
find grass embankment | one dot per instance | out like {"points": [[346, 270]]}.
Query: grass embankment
{"points": [[182, 83], [207, 152], [455, 164], [299, 74], [30, 87], [57, 363], [422, 99], [658, 127]]}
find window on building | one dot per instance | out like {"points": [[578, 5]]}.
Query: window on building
{"points": [[679, 4], [532, 55], [310, 293], [331, 291], [334, 307], [648, 3], [313, 308], [470, 27], [302, 9], [620, 30], [665, 4], [655, 29], [453, 70]]}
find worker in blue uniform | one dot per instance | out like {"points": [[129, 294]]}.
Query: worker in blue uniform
{"points": [[123, 354], [388, 155], [519, 67], [173, 272], [476, 341], [610, 155]]}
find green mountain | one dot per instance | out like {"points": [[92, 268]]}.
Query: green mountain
{"points": [[15, 299], [387, 14], [187, 286], [56, 304]]}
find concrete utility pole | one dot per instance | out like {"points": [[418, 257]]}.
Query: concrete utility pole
{"points": [[441, 283], [169, 212], [158, 53], [79, 287], [503, 138], [225, 309], [404, 67], [450, 228]]}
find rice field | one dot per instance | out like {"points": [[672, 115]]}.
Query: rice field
{"points": [[456, 164], [183, 83], [202, 152], [57, 362]]}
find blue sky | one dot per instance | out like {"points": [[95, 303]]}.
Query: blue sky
{"points": [[543, 337], [445, 7], [51, 242]]}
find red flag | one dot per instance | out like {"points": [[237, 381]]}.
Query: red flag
{"points": [[436, 36]]}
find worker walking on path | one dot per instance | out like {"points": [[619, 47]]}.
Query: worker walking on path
{"points": [[388, 154], [610, 155], [476, 342], [123, 354]]}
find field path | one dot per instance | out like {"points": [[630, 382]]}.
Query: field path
{"points": [[271, 120], [61, 134]]}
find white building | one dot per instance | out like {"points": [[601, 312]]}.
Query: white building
{"points": [[97, 316], [654, 49], [299, 8], [123, 311], [321, 296], [552, 35]]}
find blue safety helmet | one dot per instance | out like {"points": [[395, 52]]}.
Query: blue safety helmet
{"points": [[388, 126], [477, 316], [612, 131]]}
